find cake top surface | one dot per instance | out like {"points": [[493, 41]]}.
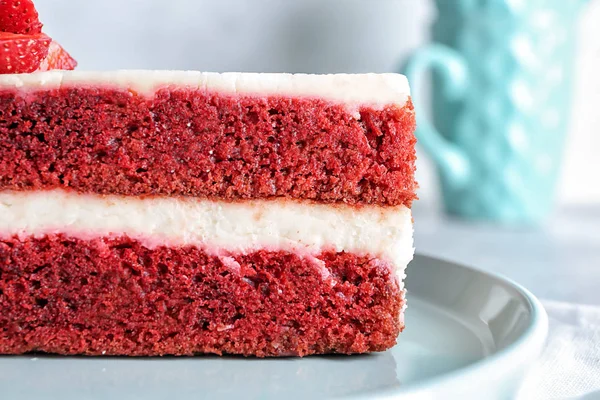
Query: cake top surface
{"points": [[376, 89]]}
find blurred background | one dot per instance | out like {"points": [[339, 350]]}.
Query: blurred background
{"points": [[324, 36]]}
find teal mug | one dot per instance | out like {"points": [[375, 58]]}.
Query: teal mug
{"points": [[502, 87]]}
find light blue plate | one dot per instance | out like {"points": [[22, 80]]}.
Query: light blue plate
{"points": [[468, 334]]}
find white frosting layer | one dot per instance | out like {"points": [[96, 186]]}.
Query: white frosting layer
{"points": [[353, 89], [384, 232]]}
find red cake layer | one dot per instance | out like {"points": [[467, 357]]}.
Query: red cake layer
{"points": [[187, 142], [116, 297]]}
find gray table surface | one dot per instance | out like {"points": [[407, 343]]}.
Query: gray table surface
{"points": [[557, 261]]}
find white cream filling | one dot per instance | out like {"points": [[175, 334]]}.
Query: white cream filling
{"points": [[383, 232], [376, 90]]}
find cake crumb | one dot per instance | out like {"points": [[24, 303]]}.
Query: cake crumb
{"points": [[224, 328]]}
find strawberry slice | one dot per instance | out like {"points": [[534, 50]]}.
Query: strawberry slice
{"points": [[19, 16], [22, 53], [23, 48], [57, 58]]}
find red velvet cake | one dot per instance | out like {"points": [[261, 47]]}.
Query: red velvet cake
{"points": [[165, 212]]}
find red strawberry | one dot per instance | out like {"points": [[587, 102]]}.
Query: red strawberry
{"points": [[19, 16], [57, 58], [22, 53]]}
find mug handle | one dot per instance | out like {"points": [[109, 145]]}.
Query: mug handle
{"points": [[450, 159]]}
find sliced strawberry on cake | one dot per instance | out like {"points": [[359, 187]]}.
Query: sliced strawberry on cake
{"points": [[57, 58], [23, 47], [22, 53], [19, 16]]}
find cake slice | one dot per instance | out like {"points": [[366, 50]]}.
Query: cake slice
{"points": [[165, 212]]}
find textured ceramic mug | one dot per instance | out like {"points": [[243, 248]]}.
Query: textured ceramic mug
{"points": [[501, 102]]}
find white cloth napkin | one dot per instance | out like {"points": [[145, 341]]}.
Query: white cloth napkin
{"points": [[569, 367]]}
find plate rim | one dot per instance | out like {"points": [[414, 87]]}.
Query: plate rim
{"points": [[525, 348]]}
